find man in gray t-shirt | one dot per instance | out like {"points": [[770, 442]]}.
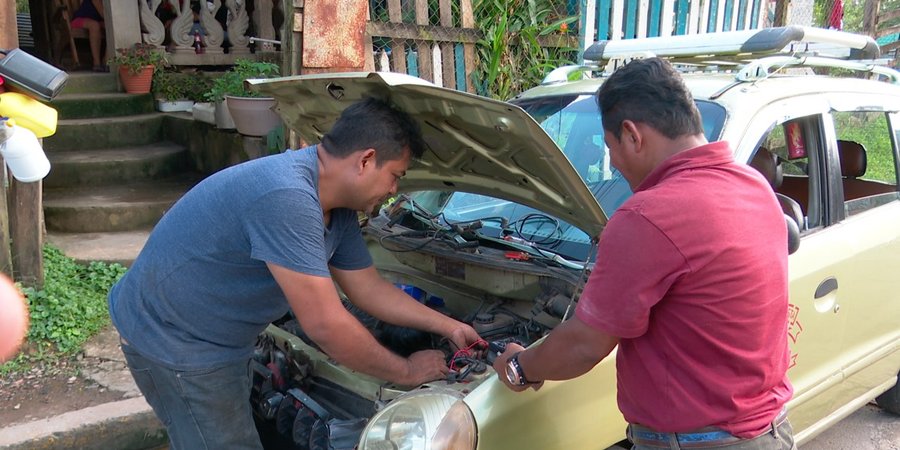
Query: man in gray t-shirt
{"points": [[253, 241]]}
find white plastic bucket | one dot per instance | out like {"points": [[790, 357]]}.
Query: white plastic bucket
{"points": [[24, 155]]}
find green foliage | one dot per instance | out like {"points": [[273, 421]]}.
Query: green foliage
{"points": [[22, 6], [232, 82], [138, 56], [871, 130], [511, 59], [171, 85], [68, 310], [854, 13]]}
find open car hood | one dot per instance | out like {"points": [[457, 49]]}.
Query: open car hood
{"points": [[474, 144]]}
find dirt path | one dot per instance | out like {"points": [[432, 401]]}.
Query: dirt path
{"points": [[98, 375]]}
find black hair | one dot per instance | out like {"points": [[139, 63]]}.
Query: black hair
{"points": [[649, 91], [374, 123]]}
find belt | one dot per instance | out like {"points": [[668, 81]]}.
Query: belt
{"points": [[702, 438]]}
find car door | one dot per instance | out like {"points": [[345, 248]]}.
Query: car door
{"points": [[866, 148], [794, 130]]}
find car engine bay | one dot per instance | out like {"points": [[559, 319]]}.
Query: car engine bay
{"points": [[304, 400]]}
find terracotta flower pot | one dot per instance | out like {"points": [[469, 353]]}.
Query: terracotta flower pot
{"points": [[137, 83]]}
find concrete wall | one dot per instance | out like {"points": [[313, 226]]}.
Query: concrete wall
{"points": [[212, 149]]}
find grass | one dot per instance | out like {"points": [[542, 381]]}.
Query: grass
{"points": [[66, 312]]}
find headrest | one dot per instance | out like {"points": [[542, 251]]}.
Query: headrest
{"points": [[853, 159], [767, 164]]}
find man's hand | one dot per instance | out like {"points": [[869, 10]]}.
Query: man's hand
{"points": [[424, 366], [500, 367], [463, 336]]}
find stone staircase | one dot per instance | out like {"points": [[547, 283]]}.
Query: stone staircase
{"points": [[114, 172]]}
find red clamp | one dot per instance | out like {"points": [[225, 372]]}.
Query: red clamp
{"points": [[517, 256]]}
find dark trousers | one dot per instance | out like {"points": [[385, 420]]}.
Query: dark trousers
{"points": [[201, 409]]}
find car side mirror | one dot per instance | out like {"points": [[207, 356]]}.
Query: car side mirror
{"points": [[793, 233]]}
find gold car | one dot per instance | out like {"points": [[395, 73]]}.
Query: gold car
{"points": [[497, 229]]}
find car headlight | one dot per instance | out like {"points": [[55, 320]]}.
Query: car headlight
{"points": [[429, 419]]}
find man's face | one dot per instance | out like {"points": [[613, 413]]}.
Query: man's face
{"points": [[380, 181]]}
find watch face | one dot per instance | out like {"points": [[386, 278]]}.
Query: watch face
{"points": [[511, 374]]}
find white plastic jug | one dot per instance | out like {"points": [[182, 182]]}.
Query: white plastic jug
{"points": [[23, 153]]}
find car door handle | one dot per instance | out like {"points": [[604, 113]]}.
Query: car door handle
{"points": [[826, 287]]}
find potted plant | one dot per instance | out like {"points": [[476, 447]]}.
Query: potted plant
{"points": [[252, 114], [137, 65], [176, 91]]}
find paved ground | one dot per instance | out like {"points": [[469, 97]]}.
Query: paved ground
{"points": [[870, 428], [125, 423]]}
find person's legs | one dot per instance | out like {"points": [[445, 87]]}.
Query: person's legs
{"points": [[201, 409], [95, 35]]}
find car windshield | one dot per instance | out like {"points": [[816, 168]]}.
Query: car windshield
{"points": [[573, 122]]}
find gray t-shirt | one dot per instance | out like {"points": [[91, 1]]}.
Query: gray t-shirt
{"points": [[199, 293]]}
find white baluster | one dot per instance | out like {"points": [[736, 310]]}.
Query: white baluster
{"points": [[180, 28], [156, 31], [237, 27], [214, 33]]}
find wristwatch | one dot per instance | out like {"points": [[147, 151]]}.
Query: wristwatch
{"points": [[514, 373]]}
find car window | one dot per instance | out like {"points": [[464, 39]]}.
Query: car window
{"points": [[796, 142], [867, 158]]}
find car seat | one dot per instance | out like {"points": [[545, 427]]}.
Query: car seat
{"points": [[853, 166], [766, 163]]}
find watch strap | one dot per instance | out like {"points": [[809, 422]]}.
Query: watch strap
{"points": [[520, 374]]}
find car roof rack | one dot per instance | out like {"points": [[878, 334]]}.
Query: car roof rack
{"points": [[738, 47], [752, 54], [763, 67]]}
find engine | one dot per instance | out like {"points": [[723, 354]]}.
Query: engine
{"points": [[298, 409]]}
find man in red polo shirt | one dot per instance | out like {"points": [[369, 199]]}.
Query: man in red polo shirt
{"points": [[690, 282]]}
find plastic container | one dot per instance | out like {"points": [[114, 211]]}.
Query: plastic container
{"points": [[23, 153], [28, 113]]}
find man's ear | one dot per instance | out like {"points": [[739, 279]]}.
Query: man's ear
{"points": [[631, 134], [366, 158]]}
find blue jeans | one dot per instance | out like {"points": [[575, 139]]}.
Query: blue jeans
{"points": [[780, 436], [201, 409]]}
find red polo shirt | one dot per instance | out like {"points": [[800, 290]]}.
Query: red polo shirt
{"points": [[691, 275]]}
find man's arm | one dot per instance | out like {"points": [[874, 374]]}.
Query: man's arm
{"points": [[571, 350], [324, 319], [376, 296]]}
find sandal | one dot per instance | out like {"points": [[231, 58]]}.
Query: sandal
{"points": [[100, 68]]}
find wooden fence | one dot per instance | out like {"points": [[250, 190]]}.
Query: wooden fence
{"points": [[410, 41], [408, 37], [628, 19]]}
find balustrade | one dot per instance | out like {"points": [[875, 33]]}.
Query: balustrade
{"points": [[224, 29]]}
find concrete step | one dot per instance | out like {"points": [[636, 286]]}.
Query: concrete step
{"points": [[104, 104], [90, 82], [123, 207], [111, 247], [109, 132], [116, 166]]}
